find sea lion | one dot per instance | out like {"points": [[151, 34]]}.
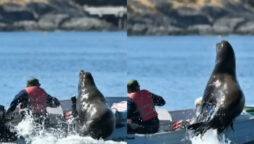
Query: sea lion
{"points": [[6, 135], [96, 119], [223, 99]]}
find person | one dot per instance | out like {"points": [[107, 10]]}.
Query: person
{"points": [[33, 98], [141, 115]]}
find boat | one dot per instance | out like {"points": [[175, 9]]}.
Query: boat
{"points": [[61, 116], [173, 128], [172, 125]]}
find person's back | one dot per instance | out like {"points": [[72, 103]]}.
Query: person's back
{"points": [[33, 100], [144, 103], [142, 117], [37, 99]]}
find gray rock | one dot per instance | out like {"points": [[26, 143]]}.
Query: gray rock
{"points": [[200, 29], [54, 15], [136, 29], [40, 8], [10, 7], [185, 17], [230, 18], [86, 24], [67, 7], [3, 26], [227, 25], [25, 25], [13, 12], [246, 28], [51, 21], [170, 29], [214, 12]]}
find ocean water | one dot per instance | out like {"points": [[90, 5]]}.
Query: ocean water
{"points": [[175, 67], [57, 57], [32, 133], [178, 67]]}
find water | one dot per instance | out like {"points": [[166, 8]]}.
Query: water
{"points": [[33, 133], [175, 67], [178, 67], [57, 57], [210, 137]]}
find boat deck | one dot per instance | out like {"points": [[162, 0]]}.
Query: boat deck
{"points": [[242, 133]]}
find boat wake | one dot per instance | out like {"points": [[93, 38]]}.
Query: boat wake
{"points": [[30, 132], [210, 137]]}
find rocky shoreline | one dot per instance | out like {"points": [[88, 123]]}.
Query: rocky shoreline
{"points": [[145, 17], [50, 15], [162, 18]]}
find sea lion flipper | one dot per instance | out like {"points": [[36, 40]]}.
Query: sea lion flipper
{"points": [[194, 126], [199, 128]]}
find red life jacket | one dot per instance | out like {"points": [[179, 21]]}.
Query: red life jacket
{"points": [[144, 102], [37, 99]]}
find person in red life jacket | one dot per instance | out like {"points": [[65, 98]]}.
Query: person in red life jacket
{"points": [[34, 98], [141, 114]]}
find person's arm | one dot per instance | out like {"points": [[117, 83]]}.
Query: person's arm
{"points": [[52, 101], [21, 97], [74, 109], [158, 100], [131, 108]]}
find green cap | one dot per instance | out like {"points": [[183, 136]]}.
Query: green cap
{"points": [[33, 82], [132, 86]]}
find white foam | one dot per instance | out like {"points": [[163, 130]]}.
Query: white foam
{"points": [[210, 137], [36, 134], [71, 139], [25, 127]]}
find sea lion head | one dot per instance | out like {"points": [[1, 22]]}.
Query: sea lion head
{"points": [[85, 80], [225, 59]]}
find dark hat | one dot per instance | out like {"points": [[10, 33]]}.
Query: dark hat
{"points": [[132, 86], [33, 82]]}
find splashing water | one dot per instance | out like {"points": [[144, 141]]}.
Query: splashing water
{"points": [[25, 127], [30, 132], [73, 139], [210, 137]]}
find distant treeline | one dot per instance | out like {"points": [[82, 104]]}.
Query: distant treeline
{"points": [[102, 2]]}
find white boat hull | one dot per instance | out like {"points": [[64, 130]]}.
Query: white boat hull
{"points": [[243, 133]]}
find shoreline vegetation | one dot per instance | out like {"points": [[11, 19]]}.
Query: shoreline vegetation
{"points": [[67, 15], [188, 17]]}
